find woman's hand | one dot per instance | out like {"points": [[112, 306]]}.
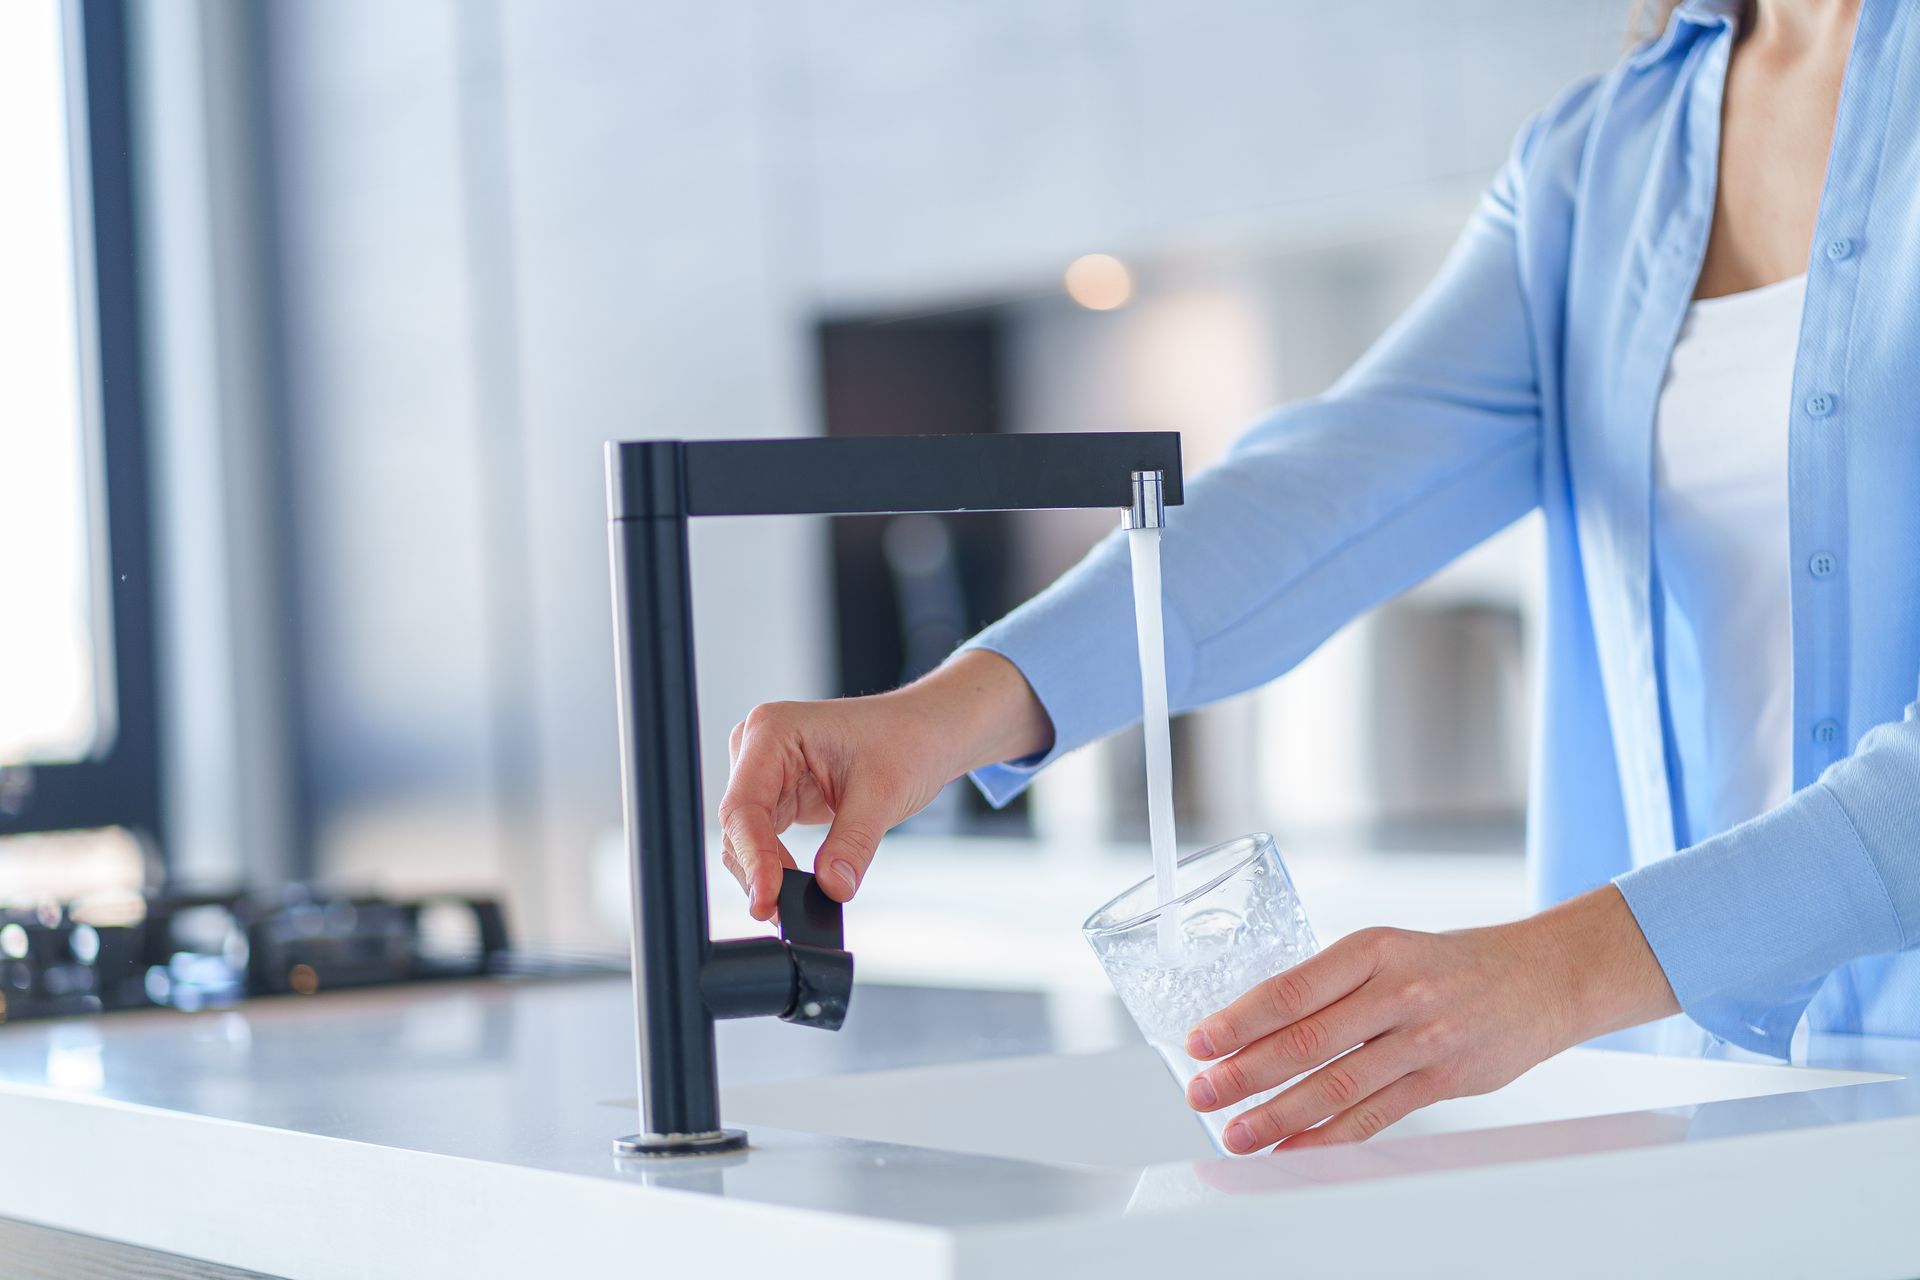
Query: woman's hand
{"points": [[1395, 1020], [864, 765]]}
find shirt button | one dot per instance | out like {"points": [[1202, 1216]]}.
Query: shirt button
{"points": [[1820, 406], [1822, 564], [1839, 249], [1826, 733]]}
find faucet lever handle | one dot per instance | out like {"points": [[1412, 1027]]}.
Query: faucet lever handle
{"points": [[807, 915]]}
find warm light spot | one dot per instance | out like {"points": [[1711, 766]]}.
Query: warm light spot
{"points": [[109, 909], [69, 865], [303, 979], [1099, 282], [3, 1006]]}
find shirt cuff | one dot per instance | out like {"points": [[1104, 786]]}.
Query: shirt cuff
{"points": [[1747, 925]]}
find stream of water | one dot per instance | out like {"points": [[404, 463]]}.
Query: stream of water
{"points": [[1144, 546]]}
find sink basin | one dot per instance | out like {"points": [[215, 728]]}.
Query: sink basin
{"points": [[1121, 1110]]}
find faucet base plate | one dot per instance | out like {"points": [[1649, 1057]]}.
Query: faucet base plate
{"points": [[656, 1145]]}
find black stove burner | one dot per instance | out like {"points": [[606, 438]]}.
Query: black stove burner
{"points": [[197, 951]]}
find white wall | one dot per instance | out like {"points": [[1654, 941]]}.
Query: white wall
{"points": [[659, 298]]}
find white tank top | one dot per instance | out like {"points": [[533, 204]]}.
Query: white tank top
{"points": [[1721, 554]]}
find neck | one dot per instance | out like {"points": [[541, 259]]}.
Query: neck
{"points": [[1801, 24]]}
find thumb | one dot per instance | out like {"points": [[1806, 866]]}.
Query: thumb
{"points": [[858, 823]]}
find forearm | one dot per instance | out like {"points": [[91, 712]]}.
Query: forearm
{"points": [[1322, 510]]}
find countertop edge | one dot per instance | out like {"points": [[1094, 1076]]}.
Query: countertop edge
{"points": [[231, 1192]]}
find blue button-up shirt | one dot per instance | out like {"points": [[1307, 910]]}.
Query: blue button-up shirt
{"points": [[1527, 376]]}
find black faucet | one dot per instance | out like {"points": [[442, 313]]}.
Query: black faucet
{"points": [[682, 978]]}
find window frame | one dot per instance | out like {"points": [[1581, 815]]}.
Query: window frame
{"points": [[118, 785]]}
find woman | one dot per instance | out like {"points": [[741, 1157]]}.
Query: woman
{"points": [[1681, 323]]}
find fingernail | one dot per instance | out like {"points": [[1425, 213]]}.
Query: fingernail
{"points": [[841, 873], [1199, 1044], [1200, 1093], [1239, 1136]]}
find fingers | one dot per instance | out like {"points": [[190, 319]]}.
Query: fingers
{"points": [[728, 859], [751, 844], [1344, 1083], [859, 821], [1288, 997], [1373, 1113], [1299, 1046], [731, 862], [757, 857], [804, 762]]}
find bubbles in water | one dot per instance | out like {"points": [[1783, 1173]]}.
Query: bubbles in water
{"points": [[1256, 931], [1210, 930]]}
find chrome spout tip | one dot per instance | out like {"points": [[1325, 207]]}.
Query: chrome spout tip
{"points": [[1149, 509]]}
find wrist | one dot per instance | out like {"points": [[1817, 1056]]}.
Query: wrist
{"points": [[1605, 974], [979, 710]]}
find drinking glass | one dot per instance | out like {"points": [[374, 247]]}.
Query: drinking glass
{"points": [[1239, 923]]}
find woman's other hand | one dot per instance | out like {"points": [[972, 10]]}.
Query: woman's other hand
{"points": [[1387, 1021], [864, 765]]}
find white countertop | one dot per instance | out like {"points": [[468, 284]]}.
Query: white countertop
{"points": [[464, 1130]]}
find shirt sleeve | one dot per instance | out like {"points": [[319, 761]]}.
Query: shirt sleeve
{"points": [[1324, 508], [1747, 925]]}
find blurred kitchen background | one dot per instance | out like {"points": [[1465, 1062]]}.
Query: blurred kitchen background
{"points": [[303, 568]]}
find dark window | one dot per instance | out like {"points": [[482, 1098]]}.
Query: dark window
{"points": [[909, 588], [77, 715]]}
